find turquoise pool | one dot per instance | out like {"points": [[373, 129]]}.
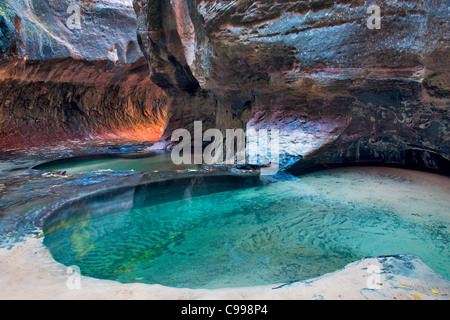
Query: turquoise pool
{"points": [[153, 161], [216, 232]]}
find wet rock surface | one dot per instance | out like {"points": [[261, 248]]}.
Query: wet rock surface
{"points": [[28, 196]]}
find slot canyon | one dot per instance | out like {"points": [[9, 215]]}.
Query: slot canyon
{"points": [[92, 91]]}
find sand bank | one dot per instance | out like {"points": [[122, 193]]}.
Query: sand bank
{"points": [[29, 272]]}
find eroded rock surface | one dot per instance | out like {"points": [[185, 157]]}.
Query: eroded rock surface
{"points": [[59, 82], [64, 99], [337, 90], [47, 29]]}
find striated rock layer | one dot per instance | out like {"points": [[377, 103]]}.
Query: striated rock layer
{"points": [[59, 83], [49, 29], [338, 91], [63, 99]]}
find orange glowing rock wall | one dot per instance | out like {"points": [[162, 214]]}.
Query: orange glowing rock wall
{"points": [[62, 99]]}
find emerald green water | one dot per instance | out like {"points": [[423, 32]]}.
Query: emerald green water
{"points": [[156, 162], [274, 233]]}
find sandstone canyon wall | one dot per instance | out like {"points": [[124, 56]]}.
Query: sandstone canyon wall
{"points": [[338, 91], [59, 83]]}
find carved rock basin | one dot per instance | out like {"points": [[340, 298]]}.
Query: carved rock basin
{"points": [[230, 231]]}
